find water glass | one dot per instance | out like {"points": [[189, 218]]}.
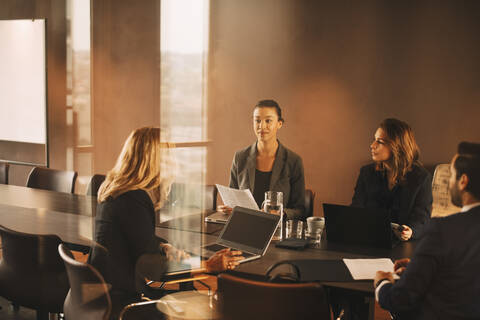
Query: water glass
{"points": [[294, 229], [315, 227]]}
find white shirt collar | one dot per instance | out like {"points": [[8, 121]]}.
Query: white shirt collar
{"points": [[470, 206]]}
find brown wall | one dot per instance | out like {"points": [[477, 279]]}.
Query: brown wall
{"points": [[338, 68], [54, 12], [125, 73]]}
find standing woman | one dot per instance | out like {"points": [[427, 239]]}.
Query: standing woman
{"points": [[138, 184], [396, 180], [267, 165]]}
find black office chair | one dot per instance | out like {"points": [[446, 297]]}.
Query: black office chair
{"points": [[94, 184], [31, 272], [210, 195], [51, 179], [309, 200], [249, 298], [88, 297], [4, 172]]}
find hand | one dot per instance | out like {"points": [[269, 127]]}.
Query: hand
{"points": [[223, 260], [400, 265], [382, 275], [405, 234], [173, 253], [224, 209]]}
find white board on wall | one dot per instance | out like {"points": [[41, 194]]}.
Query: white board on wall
{"points": [[23, 91]]}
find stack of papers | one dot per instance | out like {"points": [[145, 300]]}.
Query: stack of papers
{"points": [[365, 269], [234, 197]]}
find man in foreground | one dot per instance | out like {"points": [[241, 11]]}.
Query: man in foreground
{"points": [[442, 280]]}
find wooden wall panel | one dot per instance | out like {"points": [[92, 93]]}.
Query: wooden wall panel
{"points": [[338, 68], [125, 73]]}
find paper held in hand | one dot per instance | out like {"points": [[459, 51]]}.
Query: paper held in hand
{"points": [[365, 269], [234, 197]]}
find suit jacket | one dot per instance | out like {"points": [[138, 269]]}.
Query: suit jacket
{"points": [[441, 281], [412, 202], [125, 227], [287, 176]]}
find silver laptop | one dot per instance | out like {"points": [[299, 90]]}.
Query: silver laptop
{"points": [[218, 217], [247, 230]]}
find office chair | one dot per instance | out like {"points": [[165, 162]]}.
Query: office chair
{"points": [[4, 172], [31, 272], [51, 179], [250, 298], [88, 297], [94, 184], [309, 200], [442, 205]]}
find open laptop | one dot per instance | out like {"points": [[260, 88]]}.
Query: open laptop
{"points": [[368, 227], [247, 230]]}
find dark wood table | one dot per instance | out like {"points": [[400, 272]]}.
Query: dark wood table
{"points": [[44, 199], [36, 211], [193, 240]]}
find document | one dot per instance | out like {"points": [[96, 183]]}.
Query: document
{"points": [[234, 197], [365, 269]]}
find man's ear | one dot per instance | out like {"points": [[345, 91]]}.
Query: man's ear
{"points": [[463, 182]]}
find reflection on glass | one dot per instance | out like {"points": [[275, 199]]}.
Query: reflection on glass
{"points": [[183, 48]]}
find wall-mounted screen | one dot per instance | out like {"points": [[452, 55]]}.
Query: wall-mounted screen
{"points": [[23, 92]]}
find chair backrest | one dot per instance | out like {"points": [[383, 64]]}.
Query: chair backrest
{"points": [[309, 200], [442, 205], [242, 298], [31, 271], [3, 172], [210, 197], [89, 296], [51, 179], [94, 184]]}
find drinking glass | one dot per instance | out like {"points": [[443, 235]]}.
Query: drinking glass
{"points": [[273, 204]]}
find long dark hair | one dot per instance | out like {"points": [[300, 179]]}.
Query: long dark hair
{"points": [[404, 148]]}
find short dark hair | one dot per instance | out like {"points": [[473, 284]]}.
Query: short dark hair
{"points": [[468, 163], [270, 104]]}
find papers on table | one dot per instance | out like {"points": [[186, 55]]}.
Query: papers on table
{"points": [[365, 269], [234, 197]]}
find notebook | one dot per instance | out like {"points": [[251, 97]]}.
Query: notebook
{"points": [[247, 230], [369, 227]]}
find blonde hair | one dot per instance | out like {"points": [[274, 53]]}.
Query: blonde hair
{"points": [[404, 148], [144, 163]]}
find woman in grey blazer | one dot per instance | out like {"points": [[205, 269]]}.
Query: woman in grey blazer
{"points": [[268, 165]]}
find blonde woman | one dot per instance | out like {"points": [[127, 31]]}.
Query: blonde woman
{"points": [[396, 180], [125, 218]]}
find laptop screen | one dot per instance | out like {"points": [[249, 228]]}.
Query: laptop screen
{"points": [[249, 230]]}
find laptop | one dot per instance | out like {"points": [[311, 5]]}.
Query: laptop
{"points": [[218, 217], [369, 227], [247, 230]]}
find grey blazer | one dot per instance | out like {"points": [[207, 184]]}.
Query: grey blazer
{"points": [[287, 177]]}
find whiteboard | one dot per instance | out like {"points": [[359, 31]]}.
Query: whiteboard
{"points": [[23, 92]]}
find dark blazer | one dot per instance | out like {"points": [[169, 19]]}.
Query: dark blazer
{"points": [[287, 176], [441, 281], [125, 227], [413, 199]]}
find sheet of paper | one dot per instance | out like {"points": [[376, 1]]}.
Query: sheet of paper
{"points": [[234, 197], [365, 269]]}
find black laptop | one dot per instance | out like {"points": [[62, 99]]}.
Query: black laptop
{"points": [[368, 227]]}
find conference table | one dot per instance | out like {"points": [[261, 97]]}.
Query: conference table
{"points": [[71, 217], [37, 211]]}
